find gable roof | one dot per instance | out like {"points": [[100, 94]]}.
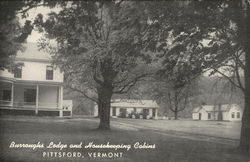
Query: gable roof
{"points": [[197, 109], [218, 108], [129, 103], [32, 52], [213, 108]]}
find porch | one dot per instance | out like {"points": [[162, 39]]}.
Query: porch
{"points": [[37, 99], [133, 112]]}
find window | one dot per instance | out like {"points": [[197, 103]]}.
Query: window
{"points": [[49, 73], [209, 115], [18, 72], [6, 95], [232, 114], [30, 96], [238, 115]]}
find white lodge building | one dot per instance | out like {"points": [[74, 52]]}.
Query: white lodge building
{"points": [[35, 87]]}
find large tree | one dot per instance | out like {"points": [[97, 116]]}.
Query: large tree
{"points": [[98, 46]]}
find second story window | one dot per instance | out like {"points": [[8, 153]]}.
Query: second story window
{"points": [[18, 72], [49, 72]]}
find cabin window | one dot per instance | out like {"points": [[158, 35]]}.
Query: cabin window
{"points": [[49, 72], [238, 115], [18, 72], [232, 115], [209, 115]]}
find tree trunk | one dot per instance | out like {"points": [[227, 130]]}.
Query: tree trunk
{"points": [[245, 129], [176, 107], [104, 99], [99, 110], [175, 115]]}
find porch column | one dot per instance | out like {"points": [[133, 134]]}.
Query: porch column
{"points": [[151, 113], [37, 98], [111, 111], [156, 112], [60, 101], [117, 111], [12, 95]]}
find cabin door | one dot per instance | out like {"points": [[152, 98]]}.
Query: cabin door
{"points": [[153, 113], [220, 117], [145, 113], [199, 116]]}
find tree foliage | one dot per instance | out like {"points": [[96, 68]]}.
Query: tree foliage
{"points": [[208, 35], [12, 33], [99, 48]]}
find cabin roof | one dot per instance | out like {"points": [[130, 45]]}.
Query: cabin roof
{"points": [[213, 108], [197, 109], [130, 103]]}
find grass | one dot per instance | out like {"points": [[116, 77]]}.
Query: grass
{"points": [[73, 131], [223, 129]]}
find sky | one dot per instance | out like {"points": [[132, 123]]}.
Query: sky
{"points": [[31, 49], [32, 13]]}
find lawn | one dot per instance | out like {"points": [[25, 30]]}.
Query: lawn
{"points": [[169, 146], [223, 129]]}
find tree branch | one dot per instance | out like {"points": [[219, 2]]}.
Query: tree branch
{"points": [[97, 80], [83, 93], [126, 87], [238, 75], [229, 79]]}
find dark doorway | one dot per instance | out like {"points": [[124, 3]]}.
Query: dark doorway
{"points": [[154, 112], [220, 117], [145, 113], [199, 116]]}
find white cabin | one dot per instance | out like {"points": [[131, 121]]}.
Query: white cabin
{"points": [[232, 112], [128, 108]]}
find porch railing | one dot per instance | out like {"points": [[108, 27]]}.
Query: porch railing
{"points": [[5, 103], [31, 105]]}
